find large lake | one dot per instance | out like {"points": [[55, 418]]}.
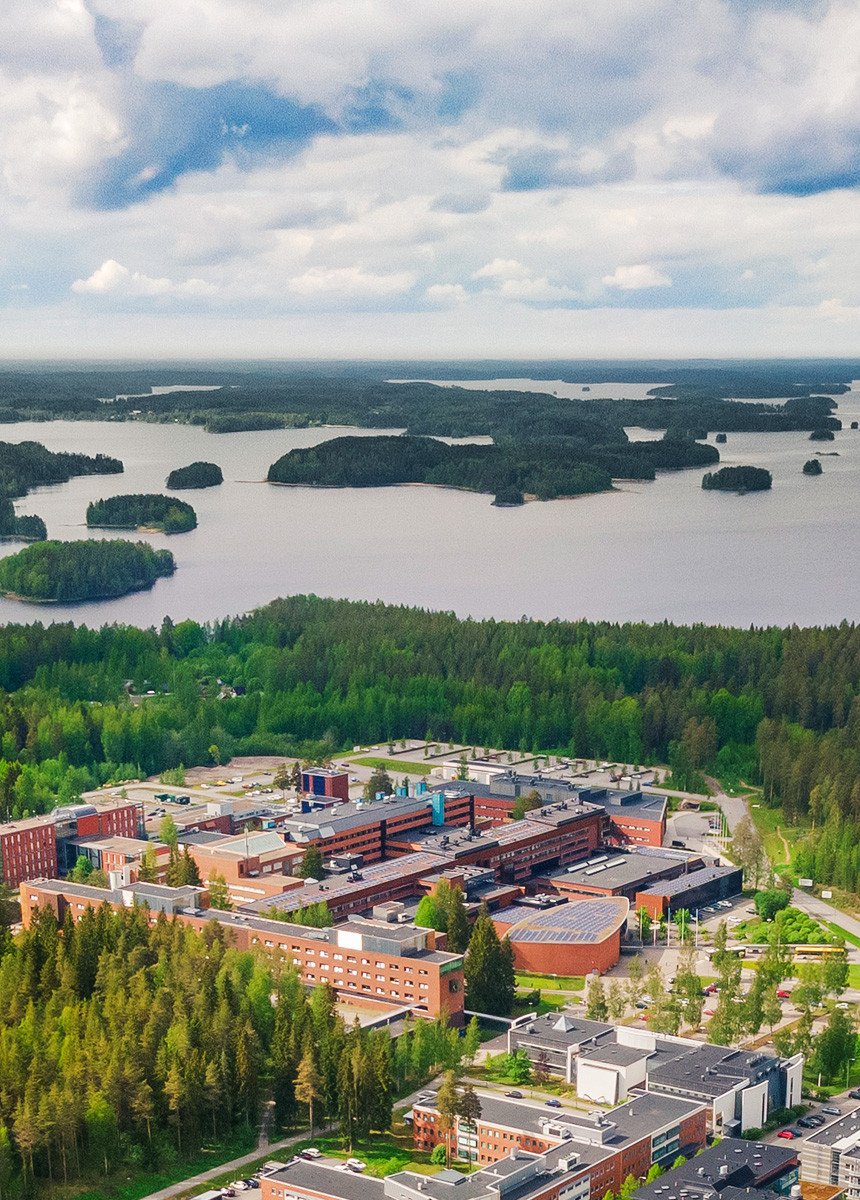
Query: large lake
{"points": [[648, 551]]}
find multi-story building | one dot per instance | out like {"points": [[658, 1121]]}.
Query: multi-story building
{"points": [[732, 1168], [831, 1155], [325, 781], [120, 857], [28, 850], [631, 818], [609, 1146], [607, 1063], [386, 963], [44, 847]]}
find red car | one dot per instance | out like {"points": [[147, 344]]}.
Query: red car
{"points": [[787, 1133], [783, 995]]}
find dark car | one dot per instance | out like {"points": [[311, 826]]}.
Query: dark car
{"points": [[553, 1103], [809, 1123], [514, 1095], [855, 1095]]}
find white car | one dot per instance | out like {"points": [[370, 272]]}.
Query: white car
{"points": [[311, 1152], [355, 1164]]}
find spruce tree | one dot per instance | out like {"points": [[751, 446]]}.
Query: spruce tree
{"points": [[489, 970]]}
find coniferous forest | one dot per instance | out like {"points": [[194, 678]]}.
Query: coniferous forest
{"points": [[780, 708], [142, 511]]}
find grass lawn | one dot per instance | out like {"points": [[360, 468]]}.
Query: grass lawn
{"points": [[545, 1006], [850, 938], [772, 827], [384, 1154], [563, 983], [394, 765], [854, 975], [128, 1184]]}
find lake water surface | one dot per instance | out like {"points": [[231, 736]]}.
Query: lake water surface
{"points": [[648, 551]]}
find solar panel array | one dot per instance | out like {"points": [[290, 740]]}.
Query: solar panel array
{"points": [[586, 921]]}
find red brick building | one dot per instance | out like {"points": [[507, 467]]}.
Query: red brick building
{"points": [[376, 962], [610, 1145], [28, 850]]}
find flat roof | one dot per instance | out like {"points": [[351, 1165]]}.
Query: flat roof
{"points": [[685, 883], [636, 1119], [616, 869], [329, 1175], [846, 1126]]}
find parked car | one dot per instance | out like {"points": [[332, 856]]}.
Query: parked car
{"points": [[831, 1110], [514, 1095], [789, 1134], [311, 1152], [783, 994], [855, 1095], [641, 1004], [239, 1185], [816, 1119], [355, 1164], [807, 1123], [553, 1103]]}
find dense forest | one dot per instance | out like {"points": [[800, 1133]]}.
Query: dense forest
{"points": [[25, 465], [125, 1047], [266, 396], [195, 475], [20, 529], [545, 469], [142, 511], [69, 572], [738, 479], [777, 707]]}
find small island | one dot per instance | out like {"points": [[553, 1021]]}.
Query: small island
{"points": [[721, 439], [195, 475], [813, 467], [20, 529], [738, 479], [142, 511], [70, 572], [822, 435]]}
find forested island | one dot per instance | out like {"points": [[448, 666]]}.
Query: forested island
{"points": [[738, 479], [544, 468], [142, 511], [69, 572], [787, 395], [20, 529], [812, 466], [24, 465], [195, 475]]}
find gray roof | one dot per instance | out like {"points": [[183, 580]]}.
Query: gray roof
{"points": [[684, 883], [749, 1163], [565, 1029], [636, 1119], [617, 870], [841, 1128], [615, 1055], [329, 1175]]}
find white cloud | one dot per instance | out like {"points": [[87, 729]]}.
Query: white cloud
{"points": [[709, 148], [447, 293], [113, 279], [349, 282], [632, 278]]}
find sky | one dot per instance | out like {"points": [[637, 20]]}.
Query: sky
{"points": [[469, 178]]}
